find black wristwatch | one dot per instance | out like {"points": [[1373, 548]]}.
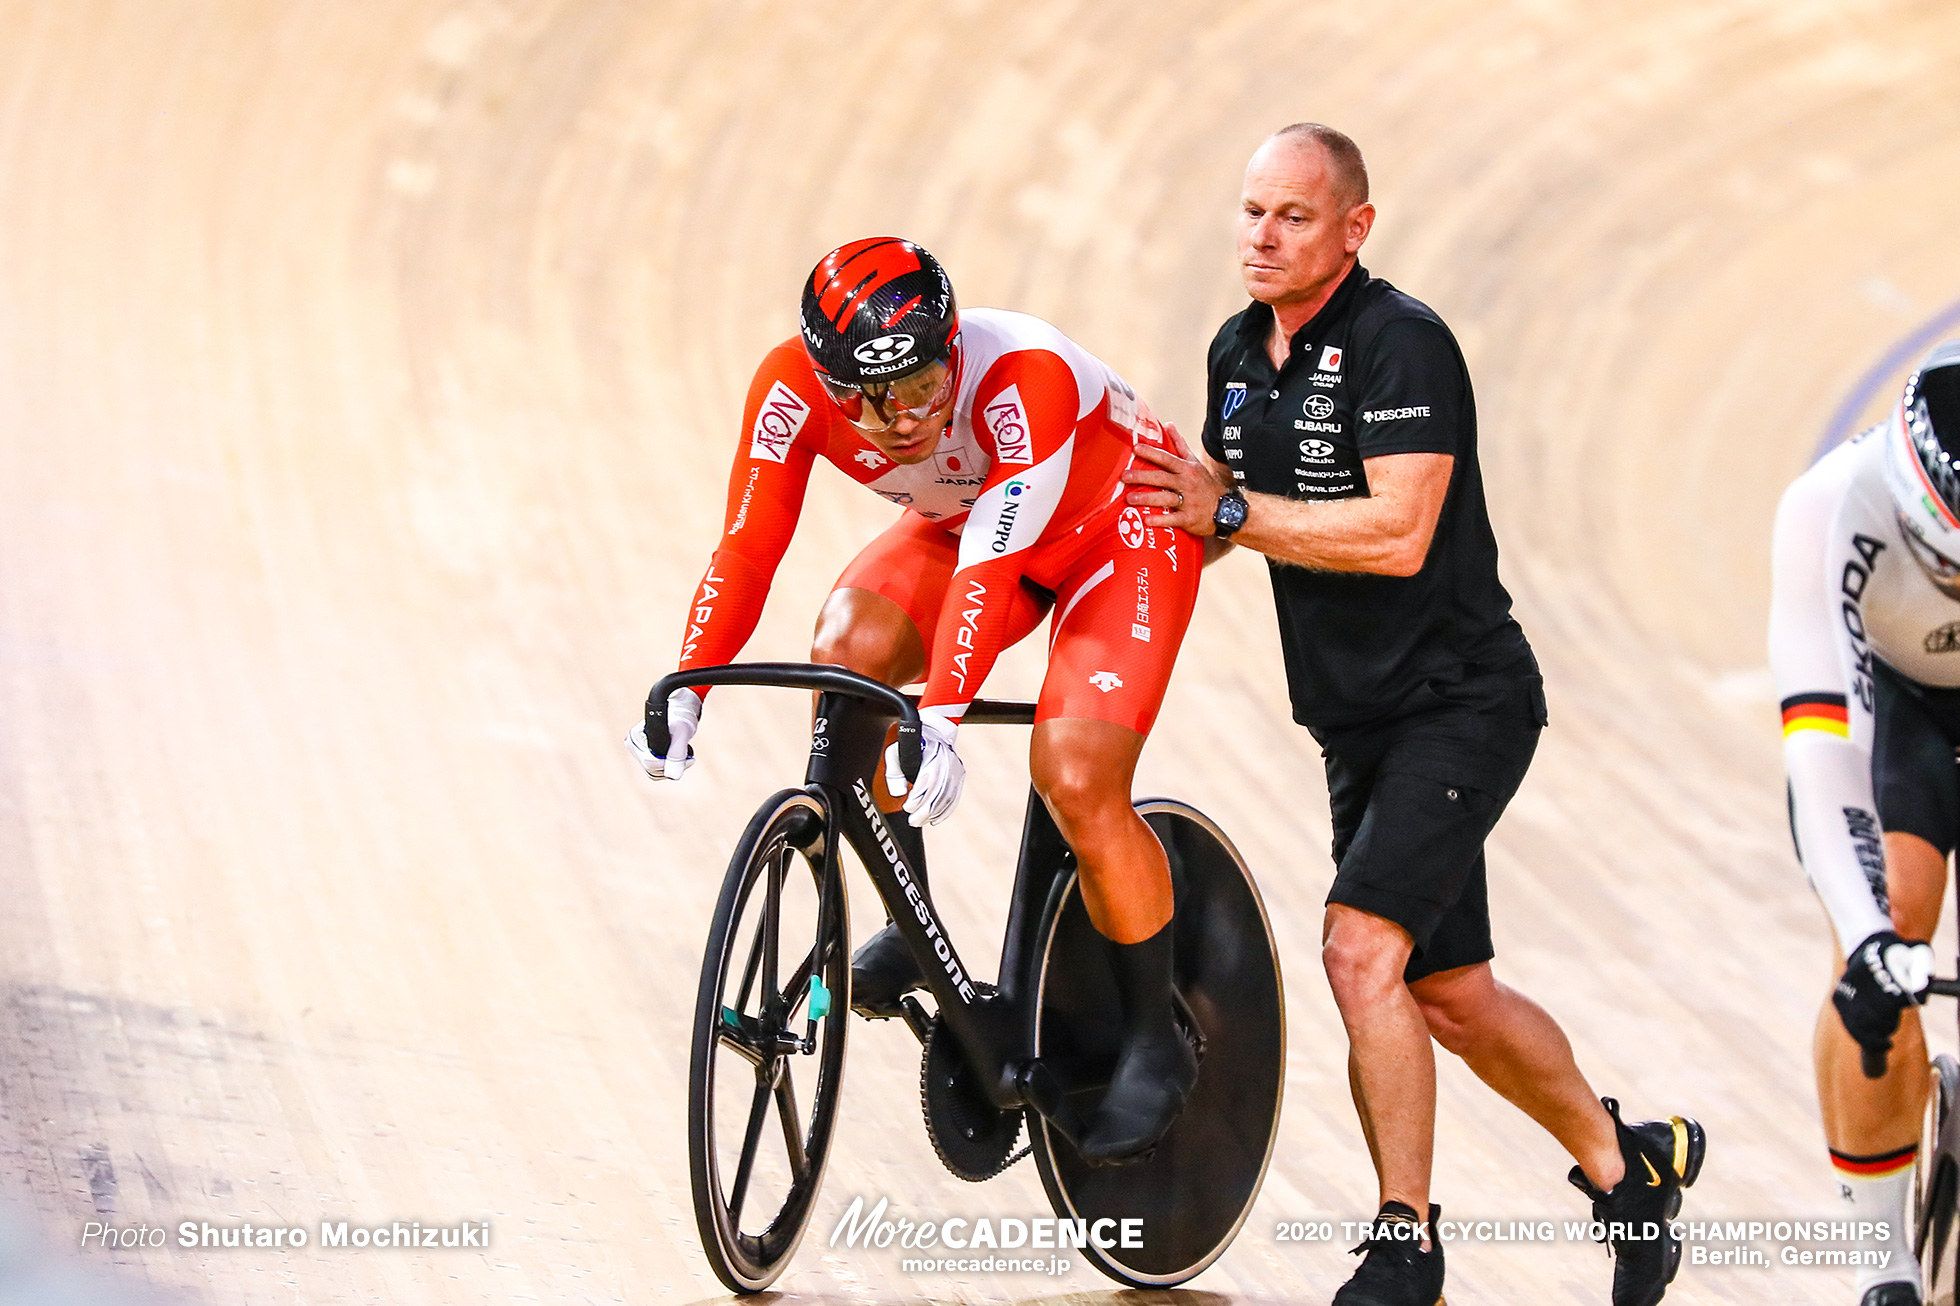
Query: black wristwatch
{"points": [[1230, 513]]}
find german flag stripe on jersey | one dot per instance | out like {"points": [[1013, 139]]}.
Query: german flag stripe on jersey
{"points": [[1875, 1167], [1824, 712]]}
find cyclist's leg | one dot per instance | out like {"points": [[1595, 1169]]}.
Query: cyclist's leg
{"points": [[1119, 620], [878, 622], [1866, 1117], [1120, 617], [886, 604], [1872, 1126]]}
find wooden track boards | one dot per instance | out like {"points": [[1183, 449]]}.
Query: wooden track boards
{"points": [[368, 377]]}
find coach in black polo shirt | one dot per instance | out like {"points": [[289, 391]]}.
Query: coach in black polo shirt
{"points": [[1341, 442]]}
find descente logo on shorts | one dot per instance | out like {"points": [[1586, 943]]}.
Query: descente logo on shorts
{"points": [[781, 416], [1394, 414]]}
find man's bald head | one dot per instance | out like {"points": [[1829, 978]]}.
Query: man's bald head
{"points": [[1343, 156], [1303, 216]]}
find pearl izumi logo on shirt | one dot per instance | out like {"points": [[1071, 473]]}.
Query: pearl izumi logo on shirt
{"points": [[781, 416]]}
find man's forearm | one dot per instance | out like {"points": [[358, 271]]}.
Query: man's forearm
{"points": [[1359, 535]]}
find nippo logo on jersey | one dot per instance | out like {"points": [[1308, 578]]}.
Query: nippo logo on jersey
{"points": [[1007, 421], [883, 349], [1319, 407], [1330, 358], [777, 422]]}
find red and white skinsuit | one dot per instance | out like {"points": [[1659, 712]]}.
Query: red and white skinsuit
{"points": [[1019, 508]]}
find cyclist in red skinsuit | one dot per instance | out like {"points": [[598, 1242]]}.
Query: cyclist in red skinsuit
{"points": [[1005, 442]]}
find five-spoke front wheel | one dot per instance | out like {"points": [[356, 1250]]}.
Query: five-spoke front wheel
{"points": [[768, 1054]]}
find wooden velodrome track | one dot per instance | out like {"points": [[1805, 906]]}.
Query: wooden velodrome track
{"points": [[368, 379]]}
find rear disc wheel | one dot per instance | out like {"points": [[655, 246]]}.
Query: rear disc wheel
{"points": [[1193, 1191]]}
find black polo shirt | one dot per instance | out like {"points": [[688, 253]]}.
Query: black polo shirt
{"points": [[1374, 372]]}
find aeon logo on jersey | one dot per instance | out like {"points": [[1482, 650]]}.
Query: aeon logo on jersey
{"points": [[777, 422], [1130, 528], [883, 349], [1007, 421], [1233, 401], [1004, 524], [1319, 407]]}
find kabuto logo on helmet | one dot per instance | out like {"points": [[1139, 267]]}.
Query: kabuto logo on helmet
{"points": [[885, 349], [877, 309]]}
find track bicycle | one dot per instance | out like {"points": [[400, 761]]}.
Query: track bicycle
{"points": [[1036, 1046], [1936, 1192]]}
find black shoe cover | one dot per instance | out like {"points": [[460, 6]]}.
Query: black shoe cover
{"points": [[1157, 1067], [882, 972]]}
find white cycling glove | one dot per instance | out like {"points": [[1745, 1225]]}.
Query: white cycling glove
{"points": [[936, 792], [683, 719]]}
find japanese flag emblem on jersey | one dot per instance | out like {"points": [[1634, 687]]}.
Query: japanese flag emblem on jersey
{"points": [[1006, 419], [1330, 358], [777, 422]]}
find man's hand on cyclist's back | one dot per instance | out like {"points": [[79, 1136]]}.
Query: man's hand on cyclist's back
{"points": [[683, 719]]}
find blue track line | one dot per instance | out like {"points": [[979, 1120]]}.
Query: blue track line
{"points": [[1918, 341]]}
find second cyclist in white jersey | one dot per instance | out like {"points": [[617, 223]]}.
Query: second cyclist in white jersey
{"points": [[1865, 648]]}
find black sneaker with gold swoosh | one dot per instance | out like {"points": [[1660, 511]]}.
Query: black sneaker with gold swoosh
{"points": [[1662, 1157]]}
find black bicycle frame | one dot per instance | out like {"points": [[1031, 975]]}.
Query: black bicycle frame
{"points": [[854, 713]]}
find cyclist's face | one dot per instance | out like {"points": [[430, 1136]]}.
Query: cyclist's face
{"points": [[1297, 230], [903, 419], [911, 439]]}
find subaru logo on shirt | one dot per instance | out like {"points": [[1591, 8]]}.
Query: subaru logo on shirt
{"points": [[1319, 407], [883, 349]]}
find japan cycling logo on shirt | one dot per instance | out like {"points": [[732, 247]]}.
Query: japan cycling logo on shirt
{"points": [[1006, 419], [1233, 401], [1330, 358], [777, 422]]}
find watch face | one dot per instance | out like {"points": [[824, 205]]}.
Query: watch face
{"points": [[1231, 513]]}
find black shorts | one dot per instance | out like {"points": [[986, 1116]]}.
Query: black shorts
{"points": [[1915, 730], [1413, 798]]}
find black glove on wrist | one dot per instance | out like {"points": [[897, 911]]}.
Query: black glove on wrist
{"points": [[1883, 976]]}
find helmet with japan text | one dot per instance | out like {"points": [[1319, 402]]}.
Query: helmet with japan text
{"points": [[876, 309], [879, 323], [1922, 465]]}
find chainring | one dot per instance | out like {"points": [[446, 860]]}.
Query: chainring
{"points": [[973, 1137]]}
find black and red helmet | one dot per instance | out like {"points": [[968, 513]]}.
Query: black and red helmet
{"points": [[876, 310]]}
